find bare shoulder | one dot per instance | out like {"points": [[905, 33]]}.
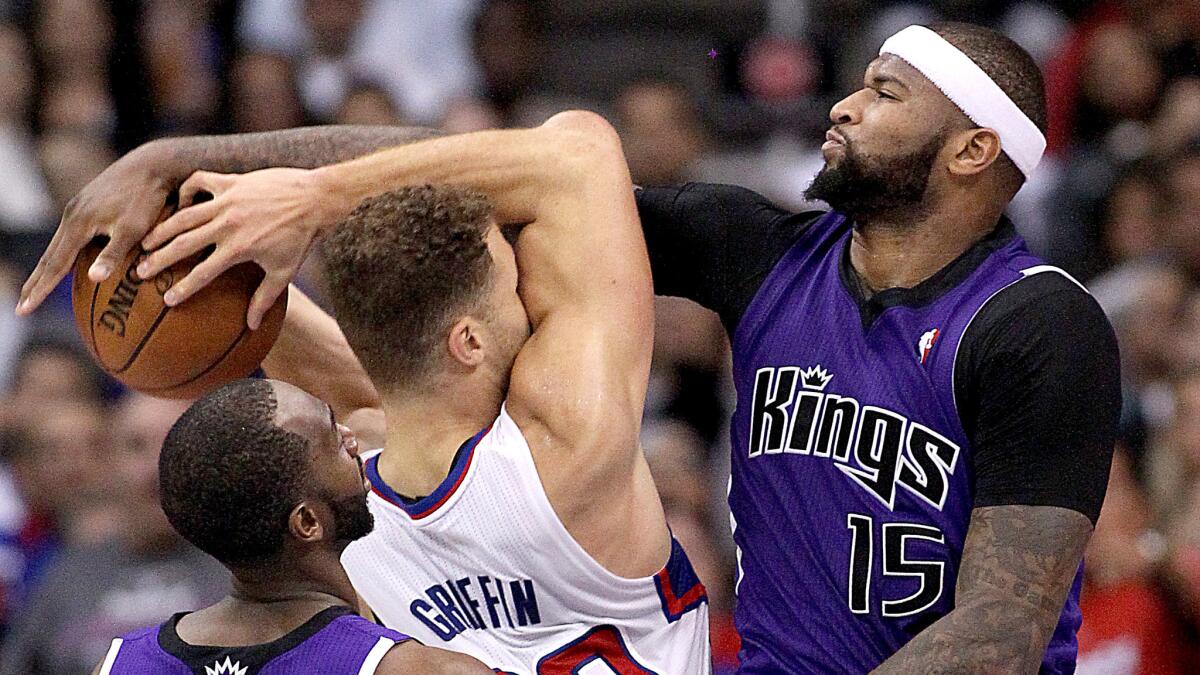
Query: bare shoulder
{"points": [[414, 658]]}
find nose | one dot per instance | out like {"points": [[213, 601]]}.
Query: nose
{"points": [[349, 440], [845, 111]]}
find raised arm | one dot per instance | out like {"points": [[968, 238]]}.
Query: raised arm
{"points": [[578, 385], [124, 201], [272, 217], [585, 276], [312, 354], [582, 251]]}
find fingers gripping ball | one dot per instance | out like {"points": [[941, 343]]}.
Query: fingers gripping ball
{"points": [[173, 352]]}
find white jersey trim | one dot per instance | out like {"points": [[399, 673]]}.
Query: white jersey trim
{"points": [[1038, 269], [111, 657], [737, 550], [1025, 274], [376, 655]]}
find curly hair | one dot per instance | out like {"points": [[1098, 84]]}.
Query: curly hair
{"points": [[401, 268], [229, 476]]}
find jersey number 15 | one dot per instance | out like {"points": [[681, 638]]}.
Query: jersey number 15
{"points": [[896, 563]]}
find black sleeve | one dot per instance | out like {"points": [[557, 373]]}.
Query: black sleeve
{"points": [[1038, 385], [715, 244]]}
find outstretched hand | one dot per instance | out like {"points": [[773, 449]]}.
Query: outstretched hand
{"points": [[123, 202], [270, 217]]}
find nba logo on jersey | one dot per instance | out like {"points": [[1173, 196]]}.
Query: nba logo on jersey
{"points": [[926, 344]]}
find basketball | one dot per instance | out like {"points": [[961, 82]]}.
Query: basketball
{"points": [[172, 352]]}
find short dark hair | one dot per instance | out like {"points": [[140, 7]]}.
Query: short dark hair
{"points": [[1007, 63], [400, 269], [229, 477]]}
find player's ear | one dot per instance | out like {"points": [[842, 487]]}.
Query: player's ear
{"points": [[304, 525], [465, 342], [974, 151]]}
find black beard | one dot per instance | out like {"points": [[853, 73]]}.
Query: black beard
{"points": [[351, 518], [860, 186]]}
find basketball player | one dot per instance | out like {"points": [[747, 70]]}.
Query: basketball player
{"points": [[259, 475], [926, 411]]}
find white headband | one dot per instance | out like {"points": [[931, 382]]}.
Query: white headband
{"points": [[969, 88]]}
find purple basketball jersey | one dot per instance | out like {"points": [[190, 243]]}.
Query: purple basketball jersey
{"points": [[852, 473], [335, 641]]}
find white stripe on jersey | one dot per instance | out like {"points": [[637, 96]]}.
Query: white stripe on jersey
{"points": [[1038, 269], [737, 550], [1025, 274], [376, 655], [111, 657]]}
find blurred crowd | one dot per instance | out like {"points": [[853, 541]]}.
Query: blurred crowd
{"points": [[716, 90]]}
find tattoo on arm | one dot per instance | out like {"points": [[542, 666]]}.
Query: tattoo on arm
{"points": [[305, 148], [1017, 567]]}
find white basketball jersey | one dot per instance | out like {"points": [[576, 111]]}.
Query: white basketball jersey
{"points": [[483, 566]]}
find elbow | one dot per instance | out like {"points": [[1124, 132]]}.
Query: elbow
{"points": [[582, 122], [584, 136]]}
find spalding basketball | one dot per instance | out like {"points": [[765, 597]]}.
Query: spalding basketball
{"points": [[172, 352]]}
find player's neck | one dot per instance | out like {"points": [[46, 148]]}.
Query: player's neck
{"points": [[236, 621], [896, 250], [425, 432], [265, 605], [309, 578]]}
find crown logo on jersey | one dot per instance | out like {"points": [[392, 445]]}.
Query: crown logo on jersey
{"points": [[226, 668], [815, 378]]}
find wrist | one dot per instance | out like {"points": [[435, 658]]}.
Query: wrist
{"points": [[161, 160], [159, 153], [332, 200]]}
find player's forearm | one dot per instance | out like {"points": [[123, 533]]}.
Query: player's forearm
{"points": [[524, 172], [305, 147], [983, 638], [1017, 568], [312, 354]]}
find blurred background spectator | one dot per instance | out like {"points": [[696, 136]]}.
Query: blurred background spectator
{"points": [[129, 570], [718, 90]]}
